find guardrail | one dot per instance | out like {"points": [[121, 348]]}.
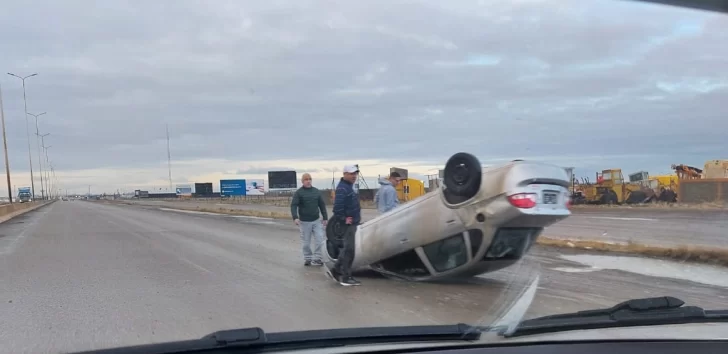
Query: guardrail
{"points": [[9, 211], [10, 208]]}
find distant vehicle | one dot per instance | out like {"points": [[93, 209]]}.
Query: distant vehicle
{"points": [[24, 195], [480, 220]]}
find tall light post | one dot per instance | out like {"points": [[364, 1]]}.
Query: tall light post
{"points": [[49, 171], [5, 147], [45, 152], [40, 163], [52, 178], [27, 131]]}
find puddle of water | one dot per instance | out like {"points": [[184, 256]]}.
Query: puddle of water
{"points": [[574, 270], [699, 273]]}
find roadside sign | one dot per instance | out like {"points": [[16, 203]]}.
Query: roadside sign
{"points": [[232, 187]]}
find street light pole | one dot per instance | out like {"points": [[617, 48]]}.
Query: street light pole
{"points": [[27, 130], [49, 166], [45, 151], [49, 171], [5, 147], [43, 191], [51, 179]]}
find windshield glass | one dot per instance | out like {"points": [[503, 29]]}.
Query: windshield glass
{"points": [[175, 168]]}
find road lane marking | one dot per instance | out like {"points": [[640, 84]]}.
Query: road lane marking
{"points": [[199, 267], [618, 218]]}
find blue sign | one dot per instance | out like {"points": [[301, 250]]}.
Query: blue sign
{"points": [[232, 187]]}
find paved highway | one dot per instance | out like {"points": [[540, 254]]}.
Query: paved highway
{"points": [[82, 275], [664, 227]]}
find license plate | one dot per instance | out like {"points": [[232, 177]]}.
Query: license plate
{"points": [[550, 198]]}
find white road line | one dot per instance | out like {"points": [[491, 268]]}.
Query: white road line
{"points": [[617, 218]]}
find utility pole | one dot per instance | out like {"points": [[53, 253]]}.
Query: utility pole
{"points": [[5, 147], [52, 184], [43, 190], [48, 164], [27, 131], [41, 137], [169, 161]]}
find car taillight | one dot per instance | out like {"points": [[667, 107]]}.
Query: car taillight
{"points": [[523, 200], [568, 203]]}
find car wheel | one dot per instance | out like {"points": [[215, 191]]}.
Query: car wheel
{"points": [[462, 176]]}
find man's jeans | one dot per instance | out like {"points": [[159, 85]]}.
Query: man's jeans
{"points": [[309, 228], [346, 256]]}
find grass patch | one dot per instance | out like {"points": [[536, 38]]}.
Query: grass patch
{"points": [[240, 212], [679, 253], [677, 206]]}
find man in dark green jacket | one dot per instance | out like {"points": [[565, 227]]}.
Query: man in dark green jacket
{"points": [[306, 204]]}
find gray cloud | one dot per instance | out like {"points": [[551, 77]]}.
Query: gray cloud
{"points": [[640, 85], [265, 170]]}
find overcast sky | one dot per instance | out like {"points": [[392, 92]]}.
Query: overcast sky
{"points": [[311, 85]]}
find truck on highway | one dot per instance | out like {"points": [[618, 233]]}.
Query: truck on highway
{"points": [[24, 194]]}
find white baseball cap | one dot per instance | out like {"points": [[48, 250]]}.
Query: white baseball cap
{"points": [[351, 169]]}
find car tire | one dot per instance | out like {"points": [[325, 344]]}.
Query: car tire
{"points": [[462, 177]]}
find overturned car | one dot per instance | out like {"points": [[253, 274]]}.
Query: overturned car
{"points": [[480, 220]]}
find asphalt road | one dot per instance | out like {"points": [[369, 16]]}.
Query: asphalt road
{"points": [[83, 275], [653, 226]]}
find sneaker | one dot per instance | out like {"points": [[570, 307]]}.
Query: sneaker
{"points": [[349, 281], [317, 263], [307, 263]]}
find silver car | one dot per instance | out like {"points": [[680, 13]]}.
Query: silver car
{"points": [[480, 220]]}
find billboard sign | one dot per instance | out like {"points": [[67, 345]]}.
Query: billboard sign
{"points": [[254, 187], [203, 188], [232, 187], [282, 180], [183, 189]]}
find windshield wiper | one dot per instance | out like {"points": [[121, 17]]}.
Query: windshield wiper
{"points": [[638, 312], [257, 340]]}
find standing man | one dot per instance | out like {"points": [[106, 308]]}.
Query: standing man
{"points": [[347, 212], [306, 204], [386, 197]]}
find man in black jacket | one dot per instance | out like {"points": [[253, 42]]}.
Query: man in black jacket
{"points": [[347, 212]]}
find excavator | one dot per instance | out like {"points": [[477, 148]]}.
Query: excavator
{"points": [[687, 172], [611, 188]]}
